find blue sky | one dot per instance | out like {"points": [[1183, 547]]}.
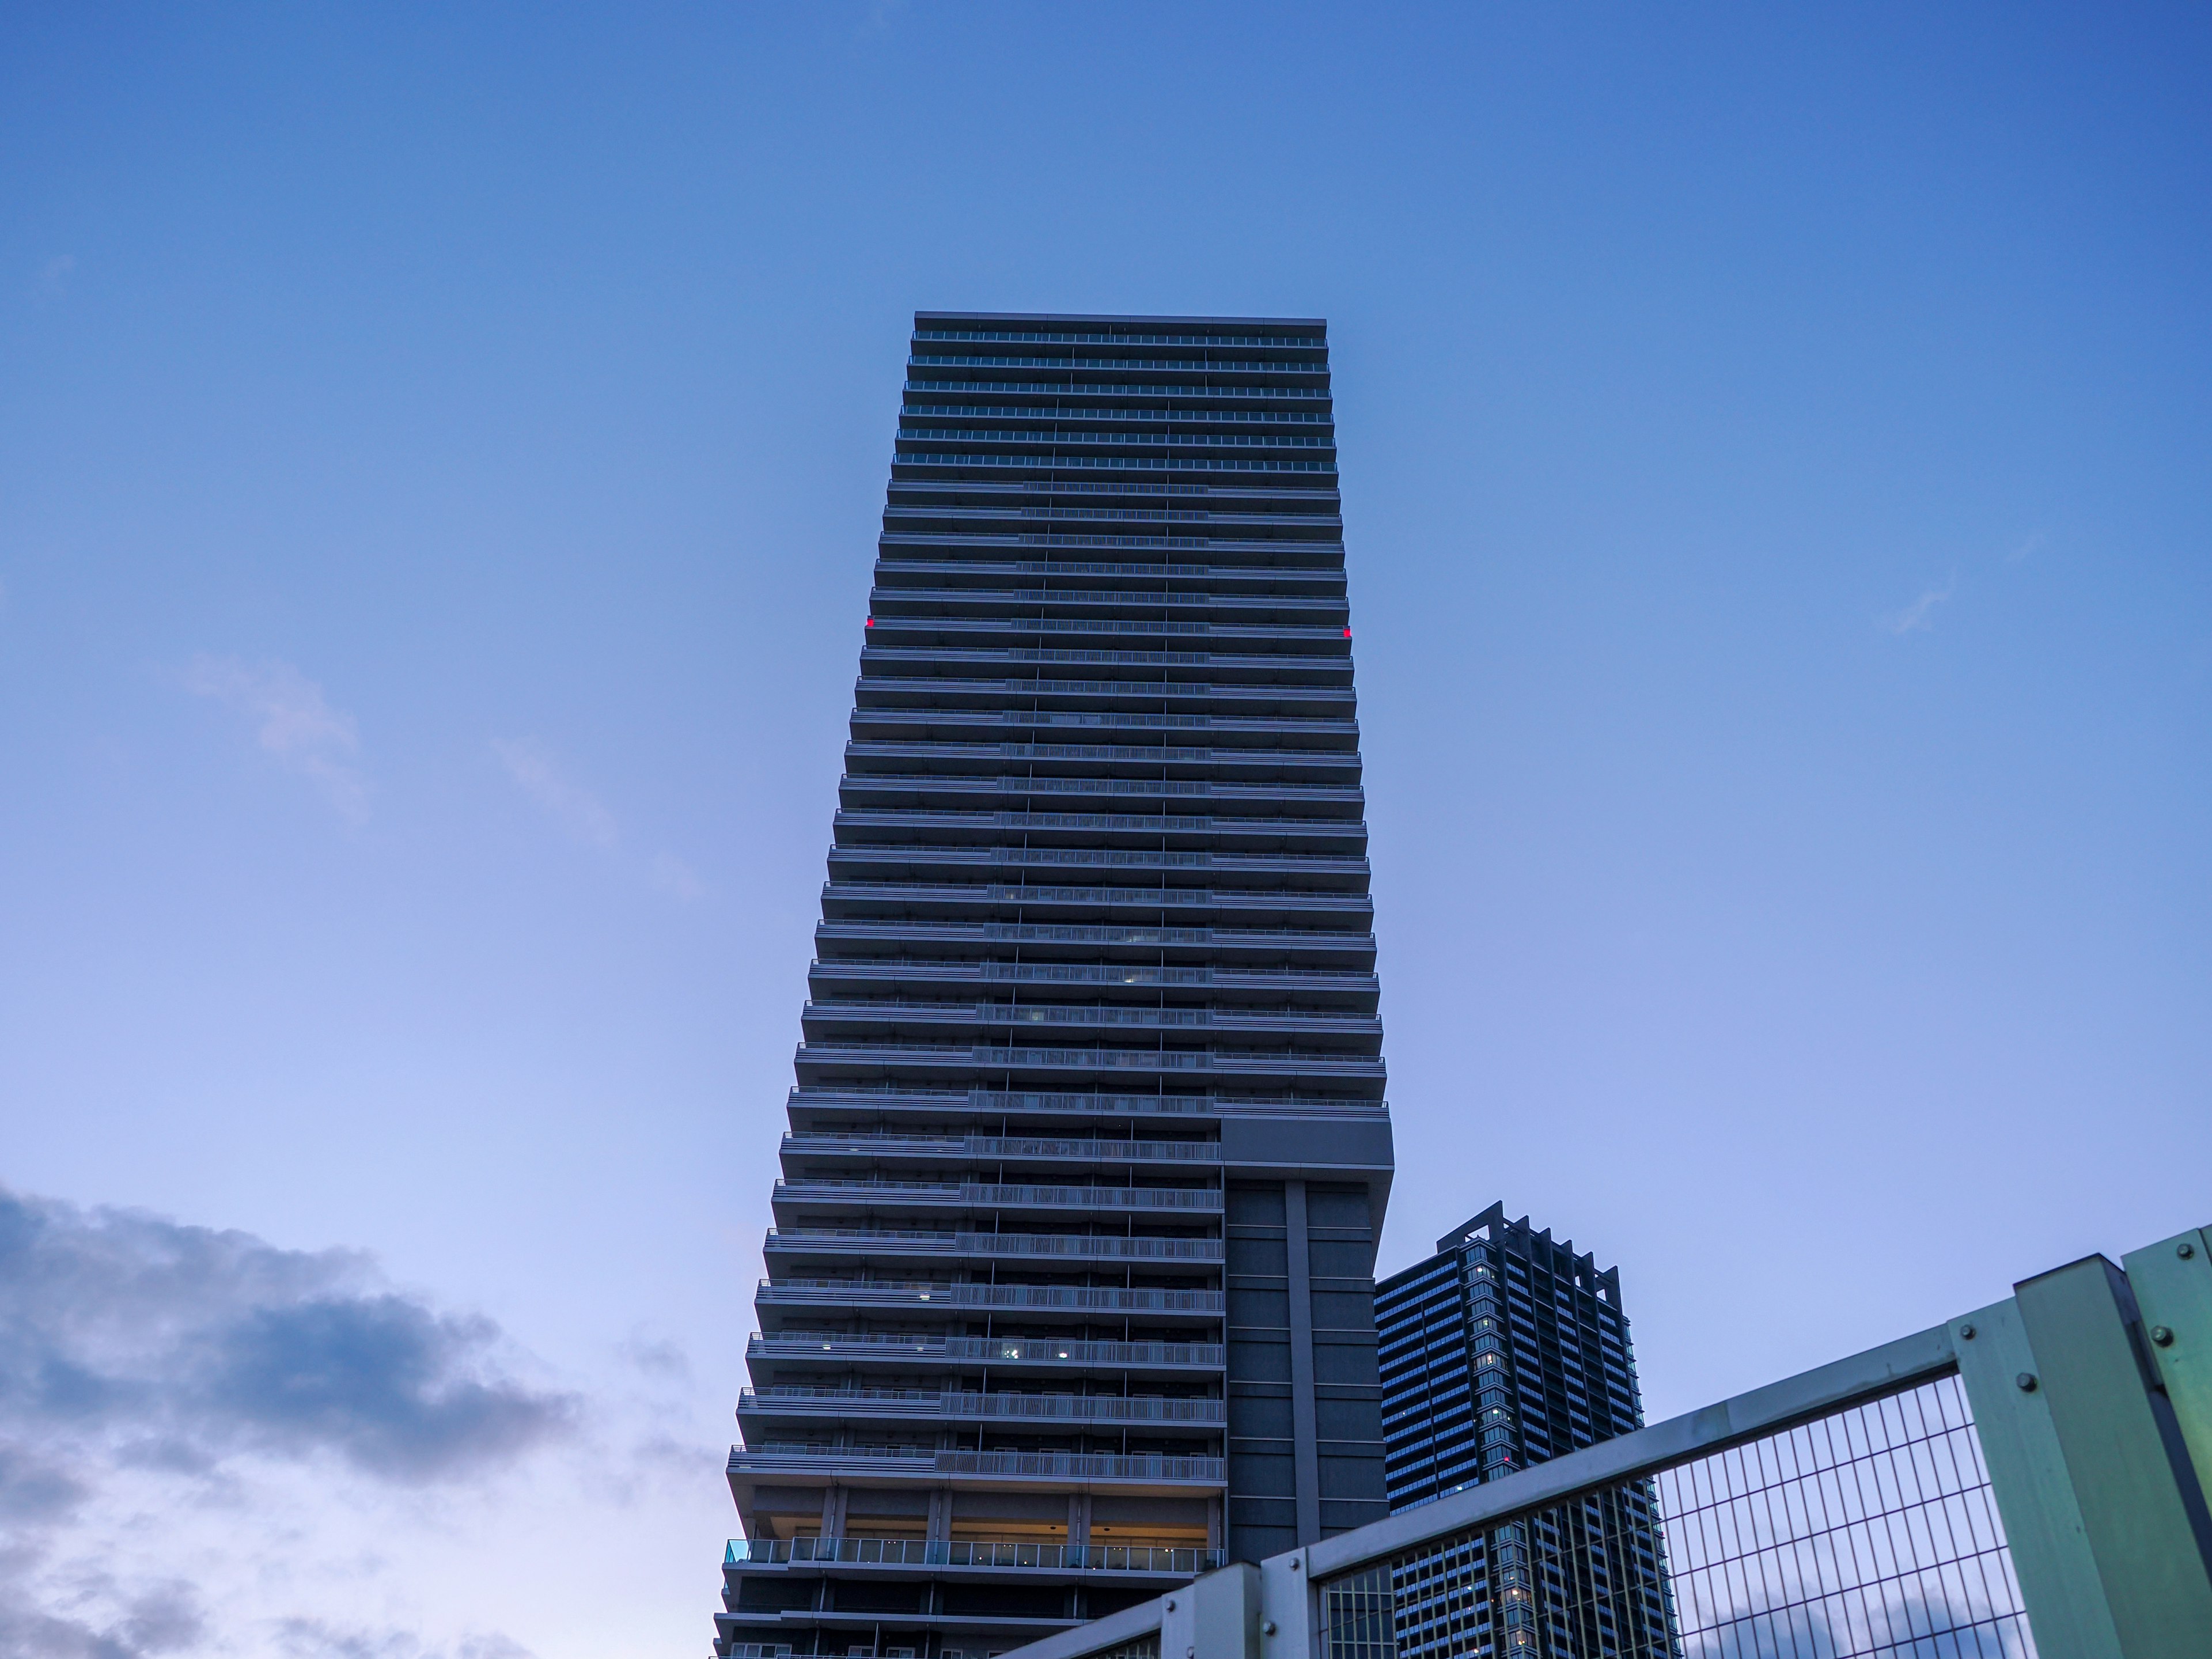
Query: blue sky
{"points": [[439, 457]]}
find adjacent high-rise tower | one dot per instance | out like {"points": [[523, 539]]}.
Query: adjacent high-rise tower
{"points": [[1506, 1348], [1070, 1294]]}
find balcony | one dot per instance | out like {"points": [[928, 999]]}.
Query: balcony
{"points": [[887, 1347], [917, 1194], [791, 1459], [1115, 388], [799, 1399], [861, 1240], [953, 1552], [935, 1294], [1005, 1146]]}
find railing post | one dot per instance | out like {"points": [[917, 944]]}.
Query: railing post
{"points": [[1288, 1625], [2109, 1532], [2173, 1283], [1215, 1617]]}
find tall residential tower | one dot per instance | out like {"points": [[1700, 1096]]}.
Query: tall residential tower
{"points": [[1070, 1294], [1506, 1348]]}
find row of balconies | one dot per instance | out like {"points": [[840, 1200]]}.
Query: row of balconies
{"points": [[1317, 871], [834, 1105], [1323, 987], [916, 1244], [1024, 467], [994, 583], [891, 788], [951, 1299], [1324, 639], [878, 690], [1262, 503], [881, 657], [1107, 945], [1319, 572], [1309, 453], [906, 1553], [901, 1347], [851, 1062], [788, 1459], [1019, 607], [881, 1193], [999, 1148], [901, 1017], [843, 901], [758, 1408], [962, 725], [1266, 770], [1278, 393]]}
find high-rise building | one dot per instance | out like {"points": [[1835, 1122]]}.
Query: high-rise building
{"points": [[1070, 1293], [1502, 1349]]}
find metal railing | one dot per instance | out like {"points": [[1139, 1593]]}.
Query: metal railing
{"points": [[2021, 1482], [963, 1552], [925, 1462], [1101, 1298], [794, 1399]]}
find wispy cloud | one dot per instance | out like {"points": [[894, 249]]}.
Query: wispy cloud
{"points": [[1920, 616], [671, 875], [541, 776], [54, 275], [295, 723], [2026, 548]]}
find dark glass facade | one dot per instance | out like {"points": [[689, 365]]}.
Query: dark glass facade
{"points": [[1503, 1349], [1070, 1293]]}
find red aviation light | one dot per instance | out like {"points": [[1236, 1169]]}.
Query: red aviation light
{"points": [[1347, 632], [871, 622]]}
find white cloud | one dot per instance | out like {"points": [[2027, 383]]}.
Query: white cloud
{"points": [[1920, 616], [2025, 548], [532, 765], [296, 724], [56, 272], [671, 875]]}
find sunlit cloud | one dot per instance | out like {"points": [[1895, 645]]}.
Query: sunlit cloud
{"points": [[293, 722]]}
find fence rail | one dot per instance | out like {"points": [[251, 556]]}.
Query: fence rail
{"points": [[2021, 1482]]}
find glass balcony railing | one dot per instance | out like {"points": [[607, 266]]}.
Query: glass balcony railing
{"points": [[961, 1552], [1202, 365], [1114, 462], [1313, 342], [843, 1240], [1010, 1350], [1073, 412], [1117, 388], [1009, 1146], [1088, 1298], [1004, 1194], [800, 1398], [779, 1456]]}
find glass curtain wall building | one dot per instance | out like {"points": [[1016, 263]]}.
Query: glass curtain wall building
{"points": [[1501, 1349], [1070, 1292]]}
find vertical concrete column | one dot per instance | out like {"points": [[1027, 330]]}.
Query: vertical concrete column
{"points": [[833, 1512], [1304, 1418]]}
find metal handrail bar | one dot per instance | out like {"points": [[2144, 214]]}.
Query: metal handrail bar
{"points": [[1876, 1374]]}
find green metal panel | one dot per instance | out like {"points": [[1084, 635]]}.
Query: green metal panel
{"points": [[2135, 1506], [2173, 1283], [2050, 1554]]}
